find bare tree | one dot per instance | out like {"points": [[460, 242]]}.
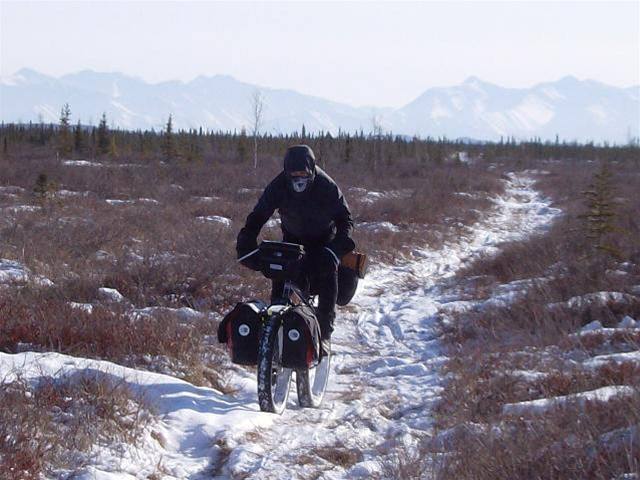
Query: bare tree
{"points": [[257, 110], [376, 133]]}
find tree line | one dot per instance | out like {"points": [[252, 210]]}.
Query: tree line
{"points": [[373, 149]]}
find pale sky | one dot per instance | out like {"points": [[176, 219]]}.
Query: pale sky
{"points": [[382, 54]]}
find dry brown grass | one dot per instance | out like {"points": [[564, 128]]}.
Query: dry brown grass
{"points": [[52, 425], [338, 454], [159, 253], [160, 342], [536, 333]]}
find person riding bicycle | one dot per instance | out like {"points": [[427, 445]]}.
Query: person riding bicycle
{"points": [[313, 213]]}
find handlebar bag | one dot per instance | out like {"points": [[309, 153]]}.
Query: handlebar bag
{"points": [[301, 339], [240, 329], [280, 260]]}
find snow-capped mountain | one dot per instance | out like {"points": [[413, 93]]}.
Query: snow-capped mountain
{"points": [[570, 108]]}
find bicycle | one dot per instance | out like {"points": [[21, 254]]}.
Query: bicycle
{"points": [[282, 333]]}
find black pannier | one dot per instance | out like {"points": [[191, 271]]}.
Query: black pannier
{"points": [[280, 260], [353, 266], [240, 329], [347, 285], [301, 338]]}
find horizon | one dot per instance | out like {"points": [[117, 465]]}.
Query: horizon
{"points": [[475, 109], [359, 54], [468, 79]]}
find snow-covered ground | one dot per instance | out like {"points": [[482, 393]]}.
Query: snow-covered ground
{"points": [[385, 376]]}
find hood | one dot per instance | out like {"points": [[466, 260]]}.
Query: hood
{"points": [[300, 157]]}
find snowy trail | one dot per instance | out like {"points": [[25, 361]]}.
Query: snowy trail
{"points": [[384, 376], [386, 356]]}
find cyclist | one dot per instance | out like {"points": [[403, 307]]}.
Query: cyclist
{"points": [[314, 213]]}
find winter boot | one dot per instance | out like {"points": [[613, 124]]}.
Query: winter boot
{"points": [[326, 319]]}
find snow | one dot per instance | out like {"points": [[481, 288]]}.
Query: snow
{"points": [[378, 226], [116, 202], [628, 322], [11, 272], [185, 314], [527, 375], [591, 326], [371, 196], [273, 223], [598, 299], [22, 208], [149, 201], [600, 360], [385, 373], [190, 417], [532, 113], [439, 111], [206, 199], [71, 193], [88, 163], [85, 307], [110, 294], [543, 405], [387, 353], [81, 163], [598, 113], [15, 272], [11, 189], [224, 221], [247, 191]]}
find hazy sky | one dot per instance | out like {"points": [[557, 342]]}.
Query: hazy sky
{"points": [[382, 54]]}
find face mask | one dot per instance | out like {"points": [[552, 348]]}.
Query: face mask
{"points": [[299, 184]]}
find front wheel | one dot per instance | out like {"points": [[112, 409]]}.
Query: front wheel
{"points": [[312, 382], [273, 379]]}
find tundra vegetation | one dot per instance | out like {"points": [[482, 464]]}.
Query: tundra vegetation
{"points": [[119, 245]]}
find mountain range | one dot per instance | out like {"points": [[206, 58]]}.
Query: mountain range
{"points": [[572, 109]]}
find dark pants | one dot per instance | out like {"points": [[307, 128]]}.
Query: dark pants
{"points": [[318, 277]]}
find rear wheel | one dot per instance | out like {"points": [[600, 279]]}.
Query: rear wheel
{"points": [[273, 379], [311, 383]]}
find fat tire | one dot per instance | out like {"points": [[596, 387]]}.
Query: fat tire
{"points": [[309, 394], [268, 346]]}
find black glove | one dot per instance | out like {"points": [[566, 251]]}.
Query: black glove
{"points": [[245, 246], [342, 245], [252, 261]]}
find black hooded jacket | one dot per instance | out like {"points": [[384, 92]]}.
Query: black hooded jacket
{"points": [[317, 217]]}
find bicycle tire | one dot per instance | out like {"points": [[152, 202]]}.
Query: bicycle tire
{"points": [[311, 383], [273, 380]]}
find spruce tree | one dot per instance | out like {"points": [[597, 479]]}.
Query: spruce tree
{"points": [[78, 141], [599, 219], [64, 132], [347, 149], [103, 136], [242, 146], [168, 141], [41, 187]]}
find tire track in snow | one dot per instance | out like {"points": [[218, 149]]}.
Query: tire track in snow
{"points": [[387, 355]]}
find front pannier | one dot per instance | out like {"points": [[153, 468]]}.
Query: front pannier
{"points": [[301, 339], [240, 330]]}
